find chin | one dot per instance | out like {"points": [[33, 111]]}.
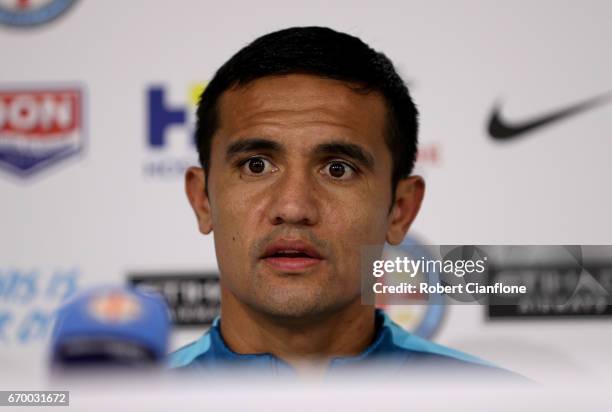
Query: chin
{"points": [[294, 307]]}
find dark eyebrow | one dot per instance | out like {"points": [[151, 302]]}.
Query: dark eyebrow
{"points": [[250, 145], [351, 150]]}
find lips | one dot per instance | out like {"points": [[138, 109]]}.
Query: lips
{"points": [[291, 255]]}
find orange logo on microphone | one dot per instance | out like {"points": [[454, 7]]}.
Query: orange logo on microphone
{"points": [[115, 307]]}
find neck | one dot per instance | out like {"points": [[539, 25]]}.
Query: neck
{"points": [[303, 343]]}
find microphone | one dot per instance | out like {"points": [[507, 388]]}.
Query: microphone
{"points": [[111, 326]]}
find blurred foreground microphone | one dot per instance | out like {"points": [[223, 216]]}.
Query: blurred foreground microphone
{"points": [[108, 327]]}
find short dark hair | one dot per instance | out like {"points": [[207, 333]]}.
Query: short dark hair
{"points": [[326, 53]]}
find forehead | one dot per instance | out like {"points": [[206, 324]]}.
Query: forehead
{"points": [[302, 102]]}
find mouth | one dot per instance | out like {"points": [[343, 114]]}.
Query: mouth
{"points": [[291, 255]]}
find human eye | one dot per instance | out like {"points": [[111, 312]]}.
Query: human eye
{"points": [[339, 170], [257, 166]]}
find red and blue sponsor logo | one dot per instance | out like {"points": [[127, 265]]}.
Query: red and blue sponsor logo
{"points": [[24, 13], [40, 127]]}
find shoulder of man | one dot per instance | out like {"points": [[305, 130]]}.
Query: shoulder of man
{"points": [[189, 353], [429, 358]]}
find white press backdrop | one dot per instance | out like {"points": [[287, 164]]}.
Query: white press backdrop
{"points": [[118, 206]]}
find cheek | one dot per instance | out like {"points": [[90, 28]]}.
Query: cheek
{"points": [[360, 216], [237, 222], [351, 228], [230, 233], [353, 224]]}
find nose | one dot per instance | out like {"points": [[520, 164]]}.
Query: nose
{"points": [[294, 200]]}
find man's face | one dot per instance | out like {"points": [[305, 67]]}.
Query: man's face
{"points": [[299, 180]]}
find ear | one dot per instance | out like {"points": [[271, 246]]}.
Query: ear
{"points": [[408, 197], [195, 187]]}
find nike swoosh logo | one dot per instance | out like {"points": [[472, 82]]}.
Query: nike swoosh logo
{"points": [[502, 130]]}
